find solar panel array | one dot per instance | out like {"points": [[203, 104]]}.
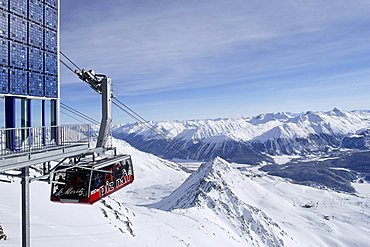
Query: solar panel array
{"points": [[29, 47]]}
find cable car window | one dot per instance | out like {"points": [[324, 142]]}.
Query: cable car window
{"points": [[91, 183], [109, 179], [71, 185]]}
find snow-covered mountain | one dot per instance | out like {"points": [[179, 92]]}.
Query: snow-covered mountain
{"points": [[221, 204], [359, 140], [217, 189], [247, 139]]}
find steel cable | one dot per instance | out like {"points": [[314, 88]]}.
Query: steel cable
{"points": [[127, 110]]}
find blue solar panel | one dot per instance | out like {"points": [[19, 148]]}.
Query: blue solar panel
{"points": [[29, 47], [51, 18], [19, 82], [4, 4], [51, 86], [51, 40], [4, 16], [53, 3], [36, 11], [51, 65], [4, 75], [18, 28], [36, 60], [4, 51], [18, 55], [19, 7], [36, 84], [36, 35]]}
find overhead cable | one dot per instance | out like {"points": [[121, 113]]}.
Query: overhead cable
{"points": [[71, 116], [79, 113], [70, 60], [121, 106], [67, 66]]}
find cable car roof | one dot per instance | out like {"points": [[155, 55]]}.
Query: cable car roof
{"points": [[93, 165]]}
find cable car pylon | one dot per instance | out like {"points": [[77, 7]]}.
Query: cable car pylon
{"points": [[122, 106], [86, 180]]}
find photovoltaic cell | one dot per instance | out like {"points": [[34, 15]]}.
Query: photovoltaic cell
{"points": [[36, 11], [51, 18], [18, 55], [36, 84], [51, 65], [19, 7], [4, 23], [4, 51], [29, 47], [4, 75], [18, 28], [53, 3], [51, 86], [19, 82], [36, 35], [36, 59], [50, 40], [4, 4]]}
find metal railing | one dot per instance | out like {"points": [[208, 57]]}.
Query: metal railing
{"points": [[17, 141]]}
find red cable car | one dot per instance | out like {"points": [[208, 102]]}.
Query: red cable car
{"points": [[87, 183]]}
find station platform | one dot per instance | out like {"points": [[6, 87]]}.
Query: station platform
{"points": [[24, 147]]}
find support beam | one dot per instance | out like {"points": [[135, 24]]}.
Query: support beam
{"points": [[43, 121], [29, 113], [54, 120], [26, 232], [106, 121], [52, 154], [26, 113], [25, 118], [23, 113], [10, 122]]}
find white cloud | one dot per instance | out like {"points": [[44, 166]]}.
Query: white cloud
{"points": [[151, 46]]}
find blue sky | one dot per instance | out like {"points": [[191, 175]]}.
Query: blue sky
{"points": [[172, 59]]}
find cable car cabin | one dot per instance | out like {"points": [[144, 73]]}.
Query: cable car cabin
{"points": [[87, 183]]}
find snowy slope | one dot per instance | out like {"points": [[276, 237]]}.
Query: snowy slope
{"points": [[218, 205], [212, 189], [267, 211], [81, 225]]}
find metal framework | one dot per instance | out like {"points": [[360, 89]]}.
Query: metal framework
{"points": [[28, 140], [38, 146], [21, 148], [29, 70]]}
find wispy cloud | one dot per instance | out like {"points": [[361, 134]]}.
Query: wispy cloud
{"points": [[156, 46]]}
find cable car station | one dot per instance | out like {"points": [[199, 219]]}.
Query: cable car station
{"points": [[29, 90]]}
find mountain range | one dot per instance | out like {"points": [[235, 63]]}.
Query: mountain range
{"points": [[251, 139]]}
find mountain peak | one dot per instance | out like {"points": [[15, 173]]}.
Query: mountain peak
{"points": [[267, 117], [211, 175], [216, 189], [337, 112], [217, 165]]}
